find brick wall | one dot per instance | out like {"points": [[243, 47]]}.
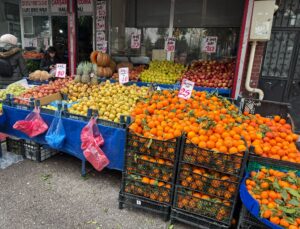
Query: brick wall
{"points": [[257, 64]]}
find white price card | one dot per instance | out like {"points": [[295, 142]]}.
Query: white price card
{"points": [[123, 75], [210, 44], [135, 41], [186, 89], [170, 47], [61, 70]]}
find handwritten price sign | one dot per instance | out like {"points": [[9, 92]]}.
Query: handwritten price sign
{"points": [[186, 89], [135, 41], [171, 44], [123, 75], [210, 44], [61, 70]]}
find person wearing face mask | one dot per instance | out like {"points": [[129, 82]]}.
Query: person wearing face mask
{"points": [[50, 60]]}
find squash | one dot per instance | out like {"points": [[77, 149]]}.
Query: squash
{"points": [[103, 59], [104, 72], [93, 56]]}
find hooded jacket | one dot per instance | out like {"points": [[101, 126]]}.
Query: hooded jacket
{"points": [[14, 56]]}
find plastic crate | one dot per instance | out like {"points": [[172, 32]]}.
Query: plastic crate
{"points": [[225, 163], [264, 108], [248, 221], [194, 220], [15, 145], [207, 186], [150, 171], [37, 152]]}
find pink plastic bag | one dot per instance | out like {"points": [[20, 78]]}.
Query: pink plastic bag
{"points": [[33, 125], [96, 156], [90, 134]]}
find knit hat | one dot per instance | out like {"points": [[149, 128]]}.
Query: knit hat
{"points": [[9, 38]]}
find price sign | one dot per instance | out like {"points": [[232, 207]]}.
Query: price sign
{"points": [[186, 89], [135, 41], [210, 44], [61, 70], [170, 47], [123, 75]]}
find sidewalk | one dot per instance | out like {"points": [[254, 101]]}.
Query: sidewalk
{"points": [[52, 194]]}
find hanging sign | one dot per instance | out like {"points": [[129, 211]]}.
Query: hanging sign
{"points": [[85, 6], [61, 70], [102, 46], [100, 24], [210, 44], [123, 75], [34, 7], [135, 41], [100, 9], [59, 6], [186, 89], [170, 46]]}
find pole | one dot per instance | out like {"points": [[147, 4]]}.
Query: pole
{"points": [[171, 25]]}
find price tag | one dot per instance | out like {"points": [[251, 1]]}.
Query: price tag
{"points": [[186, 89], [61, 70], [135, 41], [138, 202], [170, 47], [210, 44], [123, 75]]}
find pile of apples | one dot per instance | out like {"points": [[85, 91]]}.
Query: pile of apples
{"points": [[134, 73], [211, 74], [42, 90]]}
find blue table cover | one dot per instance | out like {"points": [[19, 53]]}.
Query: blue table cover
{"points": [[114, 137]]}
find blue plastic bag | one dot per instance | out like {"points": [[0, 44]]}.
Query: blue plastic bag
{"points": [[56, 134]]}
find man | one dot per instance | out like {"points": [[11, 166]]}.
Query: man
{"points": [[12, 63]]}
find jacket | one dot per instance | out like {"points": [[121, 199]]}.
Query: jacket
{"points": [[14, 56], [47, 62]]}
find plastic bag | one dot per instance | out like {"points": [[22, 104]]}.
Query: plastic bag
{"points": [[96, 156], [33, 125], [90, 134], [56, 134]]}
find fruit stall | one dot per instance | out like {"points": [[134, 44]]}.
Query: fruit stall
{"points": [[188, 159]]}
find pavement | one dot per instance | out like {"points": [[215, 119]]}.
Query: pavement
{"points": [[52, 194]]}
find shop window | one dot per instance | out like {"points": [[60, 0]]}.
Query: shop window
{"points": [[11, 12]]}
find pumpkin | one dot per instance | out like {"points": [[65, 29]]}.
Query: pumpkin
{"points": [[93, 57], [113, 66], [104, 71], [103, 59], [124, 65]]}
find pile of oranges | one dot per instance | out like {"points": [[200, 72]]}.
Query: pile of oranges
{"points": [[278, 194], [214, 123]]}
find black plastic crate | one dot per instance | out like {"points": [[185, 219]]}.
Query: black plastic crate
{"points": [[225, 163], [126, 199], [248, 221], [194, 220], [150, 171], [15, 145], [265, 108], [207, 186], [38, 152]]}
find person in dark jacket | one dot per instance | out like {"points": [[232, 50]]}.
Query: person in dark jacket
{"points": [[12, 63], [50, 60]]}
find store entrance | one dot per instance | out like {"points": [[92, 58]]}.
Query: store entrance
{"points": [[280, 73], [60, 36], [85, 38]]}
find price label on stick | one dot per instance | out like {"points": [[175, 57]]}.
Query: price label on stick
{"points": [[123, 75], [186, 89], [61, 70]]}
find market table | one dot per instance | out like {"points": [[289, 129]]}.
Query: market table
{"points": [[114, 137]]}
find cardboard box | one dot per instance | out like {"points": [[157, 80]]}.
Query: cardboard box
{"points": [[50, 98]]}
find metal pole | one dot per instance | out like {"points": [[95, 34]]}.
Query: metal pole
{"points": [[171, 24]]}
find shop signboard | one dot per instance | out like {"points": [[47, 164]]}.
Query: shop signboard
{"points": [[61, 70], [59, 6], [34, 7], [186, 89], [135, 41], [210, 44], [170, 46], [85, 6]]}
